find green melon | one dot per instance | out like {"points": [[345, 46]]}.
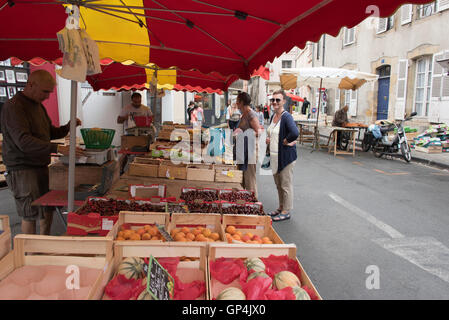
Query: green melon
{"points": [[300, 293], [132, 268], [286, 279], [231, 294], [255, 264]]}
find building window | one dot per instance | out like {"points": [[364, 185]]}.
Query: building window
{"points": [[426, 10], [349, 37], [423, 86], [385, 24], [286, 63]]}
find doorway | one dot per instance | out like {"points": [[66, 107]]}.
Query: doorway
{"points": [[383, 95]]}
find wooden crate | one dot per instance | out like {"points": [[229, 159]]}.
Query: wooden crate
{"points": [[431, 149], [243, 251], [211, 221], [228, 173], [128, 142], [5, 236], [201, 172], [188, 271], [137, 220], [84, 174], [144, 167], [35, 250], [257, 225], [172, 171]]}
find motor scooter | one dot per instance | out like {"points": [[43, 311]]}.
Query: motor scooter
{"points": [[382, 146]]}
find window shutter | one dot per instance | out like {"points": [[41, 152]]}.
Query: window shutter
{"points": [[401, 90], [349, 37], [442, 5], [337, 99], [406, 13], [437, 76], [353, 104], [382, 25]]}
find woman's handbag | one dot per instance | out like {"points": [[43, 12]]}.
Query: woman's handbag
{"points": [[266, 159]]}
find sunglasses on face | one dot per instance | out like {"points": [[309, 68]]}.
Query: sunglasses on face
{"points": [[272, 100]]}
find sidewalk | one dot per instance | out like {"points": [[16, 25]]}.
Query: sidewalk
{"points": [[439, 160]]}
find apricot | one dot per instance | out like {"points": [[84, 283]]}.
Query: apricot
{"points": [[214, 236], [230, 229], [185, 230], [207, 232], [146, 236], [190, 236]]}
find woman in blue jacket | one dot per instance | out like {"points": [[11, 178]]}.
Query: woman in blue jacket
{"points": [[282, 135]]}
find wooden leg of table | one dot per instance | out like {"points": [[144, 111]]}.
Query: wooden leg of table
{"points": [[353, 143], [335, 143]]}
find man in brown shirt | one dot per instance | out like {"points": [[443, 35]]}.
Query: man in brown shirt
{"points": [[27, 131]]}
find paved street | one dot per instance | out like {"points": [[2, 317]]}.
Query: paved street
{"points": [[355, 213], [352, 213]]}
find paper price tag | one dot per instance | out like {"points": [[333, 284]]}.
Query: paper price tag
{"points": [[107, 224]]}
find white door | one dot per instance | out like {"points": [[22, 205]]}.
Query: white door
{"points": [[423, 86]]}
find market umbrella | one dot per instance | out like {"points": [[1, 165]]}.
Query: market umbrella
{"points": [[324, 77], [232, 37], [225, 36]]}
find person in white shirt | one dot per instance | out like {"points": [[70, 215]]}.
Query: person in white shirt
{"points": [[136, 108], [233, 116]]}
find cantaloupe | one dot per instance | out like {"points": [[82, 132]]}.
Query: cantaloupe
{"points": [[301, 294], [254, 264], [286, 279], [132, 268], [231, 293]]}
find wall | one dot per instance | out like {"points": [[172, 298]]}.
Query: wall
{"points": [[371, 50]]}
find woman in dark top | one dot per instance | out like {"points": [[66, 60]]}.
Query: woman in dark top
{"points": [[282, 135]]}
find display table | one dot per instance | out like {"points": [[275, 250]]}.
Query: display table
{"points": [[174, 187], [306, 130], [57, 199], [333, 137]]}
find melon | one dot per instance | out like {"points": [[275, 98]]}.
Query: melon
{"points": [[132, 268], [286, 279], [145, 295], [256, 275], [231, 293], [254, 264], [300, 293]]}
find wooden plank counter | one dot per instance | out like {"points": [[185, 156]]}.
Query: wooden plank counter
{"points": [[174, 187]]}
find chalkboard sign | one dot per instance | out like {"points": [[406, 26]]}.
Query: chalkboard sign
{"points": [[164, 232], [160, 284]]}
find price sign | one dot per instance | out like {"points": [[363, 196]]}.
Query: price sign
{"points": [[164, 232], [160, 284]]}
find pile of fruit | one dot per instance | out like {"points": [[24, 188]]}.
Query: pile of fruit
{"points": [[233, 234], [200, 234], [261, 279], [146, 232], [112, 207]]}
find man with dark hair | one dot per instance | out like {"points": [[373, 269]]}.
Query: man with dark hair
{"points": [[305, 106], [136, 108], [27, 135], [190, 108]]}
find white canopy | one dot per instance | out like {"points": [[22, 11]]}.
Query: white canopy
{"points": [[331, 78]]}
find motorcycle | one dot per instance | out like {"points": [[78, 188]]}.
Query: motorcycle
{"points": [[382, 146]]}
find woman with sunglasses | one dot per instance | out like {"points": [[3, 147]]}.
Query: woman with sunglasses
{"points": [[248, 120], [282, 134]]}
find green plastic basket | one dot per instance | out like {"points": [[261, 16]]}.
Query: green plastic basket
{"points": [[97, 138]]}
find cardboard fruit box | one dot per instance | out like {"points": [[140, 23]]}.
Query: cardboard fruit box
{"points": [[5, 236], [137, 220], [141, 191], [260, 226], [169, 170], [193, 255], [228, 173], [243, 251], [194, 221], [38, 250], [144, 167], [201, 172]]}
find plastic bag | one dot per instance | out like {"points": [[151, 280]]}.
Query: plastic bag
{"points": [[227, 270], [275, 264], [284, 294], [121, 288], [256, 288]]}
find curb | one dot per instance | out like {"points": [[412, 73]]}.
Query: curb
{"points": [[427, 162]]}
